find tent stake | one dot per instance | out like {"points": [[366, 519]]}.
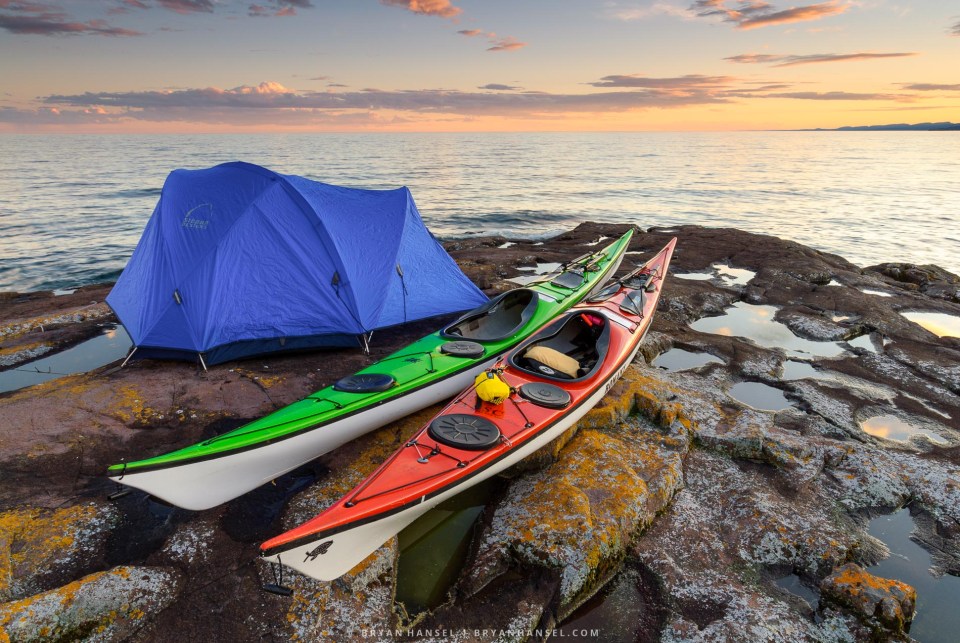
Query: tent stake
{"points": [[202, 363], [129, 355]]}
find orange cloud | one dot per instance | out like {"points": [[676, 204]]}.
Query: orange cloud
{"points": [[794, 14], [506, 44], [752, 14], [441, 8]]}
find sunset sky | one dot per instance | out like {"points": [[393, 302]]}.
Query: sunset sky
{"points": [[474, 65]]}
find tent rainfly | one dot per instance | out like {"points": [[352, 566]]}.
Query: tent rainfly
{"points": [[238, 260]]}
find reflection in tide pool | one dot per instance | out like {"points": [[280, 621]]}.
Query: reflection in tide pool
{"points": [[937, 619], [864, 342], [795, 585], [111, 345], [890, 427], [757, 323], [434, 547], [940, 324], [760, 396], [727, 275], [677, 359], [793, 370], [621, 611]]}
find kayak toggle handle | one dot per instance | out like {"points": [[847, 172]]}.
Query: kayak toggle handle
{"points": [[277, 587]]}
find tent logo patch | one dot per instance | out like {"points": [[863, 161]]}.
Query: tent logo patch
{"points": [[192, 219]]}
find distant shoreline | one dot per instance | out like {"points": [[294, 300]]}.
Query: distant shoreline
{"points": [[895, 127]]}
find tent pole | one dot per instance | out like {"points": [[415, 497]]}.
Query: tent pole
{"points": [[366, 344], [129, 355], [202, 363]]}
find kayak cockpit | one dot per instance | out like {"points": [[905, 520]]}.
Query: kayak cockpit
{"points": [[571, 349], [502, 317]]}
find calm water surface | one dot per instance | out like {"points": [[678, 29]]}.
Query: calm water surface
{"points": [[72, 207]]}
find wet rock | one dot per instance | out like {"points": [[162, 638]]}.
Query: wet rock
{"points": [[888, 603], [105, 606], [932, 281], [38, 548]]}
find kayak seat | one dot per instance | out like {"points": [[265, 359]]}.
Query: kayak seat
{"points": [[464, 431], [499, 318], [365, 383], [570, 349]]}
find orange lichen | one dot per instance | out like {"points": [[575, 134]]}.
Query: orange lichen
{"points": [[33, 538]]}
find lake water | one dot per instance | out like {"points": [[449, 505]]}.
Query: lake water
{"points": [[72, 207]]}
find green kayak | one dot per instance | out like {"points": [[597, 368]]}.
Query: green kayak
{"points": [[425, 372]]}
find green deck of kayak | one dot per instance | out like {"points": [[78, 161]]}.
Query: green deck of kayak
{"points": [[413, 367]]}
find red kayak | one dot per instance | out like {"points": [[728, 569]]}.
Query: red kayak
{"points": [[554, 379]]}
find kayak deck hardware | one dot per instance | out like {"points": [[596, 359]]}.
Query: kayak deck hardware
{"points": [[365, 383]]}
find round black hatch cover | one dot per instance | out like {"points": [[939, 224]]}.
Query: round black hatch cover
{"points": [[365, 383], [464, 431], [544, 394], [462, 349]]}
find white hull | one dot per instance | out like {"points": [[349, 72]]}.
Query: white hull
{"points": [[208, 483], [350, 547]]}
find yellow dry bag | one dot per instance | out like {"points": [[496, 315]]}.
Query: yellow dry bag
{"points": [[490, 388]]}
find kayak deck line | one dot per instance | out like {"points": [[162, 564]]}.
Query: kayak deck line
{"points": [[223, 467]]}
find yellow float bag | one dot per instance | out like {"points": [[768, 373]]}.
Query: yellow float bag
{"points": [[490, 388]]}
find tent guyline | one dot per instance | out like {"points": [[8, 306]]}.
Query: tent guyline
{"points": [[258, 262]]}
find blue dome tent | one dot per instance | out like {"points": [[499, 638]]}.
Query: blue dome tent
{"points": [[238, 260]]}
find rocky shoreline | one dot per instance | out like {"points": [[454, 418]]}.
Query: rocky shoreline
{"points": [[672, 485]]}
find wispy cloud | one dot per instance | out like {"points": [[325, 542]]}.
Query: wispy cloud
{"points": [[509, 43], [842, 96], [470, 33], [441, 8], [751, 14], [792, 61], [187, 6], [955, 29], [499, 88], [643, 12], [42, 19], [686, 83], [931, 87]]}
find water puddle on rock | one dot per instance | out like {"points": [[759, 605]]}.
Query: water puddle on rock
{"points": [[506, 244], [940, 324], [793, 370], [677, 359], [759, 396], [435, 546], [727, 275], [864, 342], [891, 427], [937, 619], [878, 293], [756, 322], [621, 611], [538, 271], [112, 344], [795, 585]]}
